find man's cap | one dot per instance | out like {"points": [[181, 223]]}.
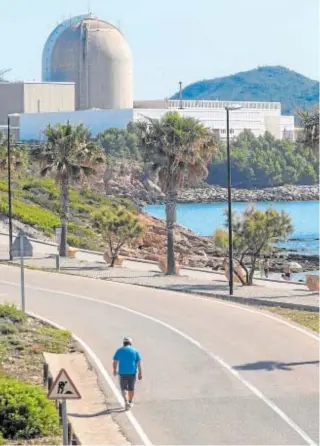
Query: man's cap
{"points": [[127, 340]]}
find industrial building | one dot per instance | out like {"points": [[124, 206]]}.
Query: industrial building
{"points": [[258, 117], [87, 78], [95, 56], [35, 97]]}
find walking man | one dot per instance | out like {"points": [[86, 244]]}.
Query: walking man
{"points": [[126, 363]]}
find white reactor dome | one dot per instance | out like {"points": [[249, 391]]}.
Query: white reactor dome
{"points": [[95, 55]]}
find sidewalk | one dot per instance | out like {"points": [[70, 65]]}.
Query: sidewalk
{"points": [[90, 417], [192, 281]]}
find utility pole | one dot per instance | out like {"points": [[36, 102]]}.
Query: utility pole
{"points": [[180, 95], [9, 190]]}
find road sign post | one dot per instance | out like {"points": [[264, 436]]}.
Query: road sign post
{"points": [[64, 389], [64, 421], [23, 303]]}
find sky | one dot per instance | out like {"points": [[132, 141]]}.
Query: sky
{"points": [[174, 40]]}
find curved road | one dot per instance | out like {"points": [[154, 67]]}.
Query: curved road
{"points": [[215, 373]]}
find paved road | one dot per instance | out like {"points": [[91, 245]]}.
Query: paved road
{"points": [[231, 375]]}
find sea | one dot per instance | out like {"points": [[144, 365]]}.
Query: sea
{"points": [[204, 218]]}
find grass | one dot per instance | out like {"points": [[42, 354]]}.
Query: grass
{"points": [[36, 202], [308, 319], [22, 343]]}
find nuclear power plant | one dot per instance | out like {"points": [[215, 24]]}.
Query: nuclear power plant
{"points": [[87, 78], [95, 56]]}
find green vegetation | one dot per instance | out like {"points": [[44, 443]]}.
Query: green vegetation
{"points": [[310, 127], [25, 411], [264, 162], [36, 202], [11, 312], [118, 226], [270, 83], [178, 149], [72, 155], [26, 415], [120, 143], [254, 233], [309, 319], [53, 340], [257, 162]]}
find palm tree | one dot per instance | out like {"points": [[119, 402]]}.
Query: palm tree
{"points": [[179, 149], [310, 128], [72, 156]]}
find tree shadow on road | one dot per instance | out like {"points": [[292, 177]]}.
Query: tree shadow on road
{"points": [[273, 365]]}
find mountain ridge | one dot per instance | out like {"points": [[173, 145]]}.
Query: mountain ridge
{"points": [[266, 83]]}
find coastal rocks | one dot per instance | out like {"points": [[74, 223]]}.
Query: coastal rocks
{"points": [[153, 244], [131, 182], [211, 194], [129, 179]]}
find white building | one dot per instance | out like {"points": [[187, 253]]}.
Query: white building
{"points": [[258, 117]]}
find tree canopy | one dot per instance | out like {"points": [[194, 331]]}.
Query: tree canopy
{"points": [[119, 227], [258, 162], [178, 149], [71, 155], [254, 233], [120, 143]]}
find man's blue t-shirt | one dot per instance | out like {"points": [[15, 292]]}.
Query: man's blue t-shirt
{"points": [[128, 359]]}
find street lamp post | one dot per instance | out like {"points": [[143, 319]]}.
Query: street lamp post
{"points": [[228, 109], [9, 191]]}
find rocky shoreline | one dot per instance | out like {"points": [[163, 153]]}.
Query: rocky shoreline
{"points": [[213, 194], [133, 183]]}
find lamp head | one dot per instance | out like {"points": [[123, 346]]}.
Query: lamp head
{"points": [[233, 107]]}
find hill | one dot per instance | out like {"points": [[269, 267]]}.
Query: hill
{"points": [[269, 83]]}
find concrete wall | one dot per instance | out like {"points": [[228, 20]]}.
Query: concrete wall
{"points": [[272, 125], [49, 97], [11, 100], [33, 125]]}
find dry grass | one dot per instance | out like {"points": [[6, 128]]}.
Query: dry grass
{"points": [[309, 319]]}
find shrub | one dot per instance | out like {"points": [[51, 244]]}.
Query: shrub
{"points": [[8, 328], [25, 412], [10, 311]]}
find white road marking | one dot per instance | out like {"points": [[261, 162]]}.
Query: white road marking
{"points": [[212, 300], [143, 436], [219, 360]]}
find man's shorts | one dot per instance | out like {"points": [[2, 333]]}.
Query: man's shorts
{"points": [[127, 382]]}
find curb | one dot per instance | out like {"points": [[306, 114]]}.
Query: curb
{"points": [[150, 262], [237, 299], [103, 377]]}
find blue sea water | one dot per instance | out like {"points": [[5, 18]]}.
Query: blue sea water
{"points": [[204, 218]]}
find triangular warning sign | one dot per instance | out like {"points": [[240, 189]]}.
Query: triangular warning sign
{"points": [[63, 388]]}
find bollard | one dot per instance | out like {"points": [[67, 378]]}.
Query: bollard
{"points": [[45, 374], [60, 412], [57, 262], [50, 381]]}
